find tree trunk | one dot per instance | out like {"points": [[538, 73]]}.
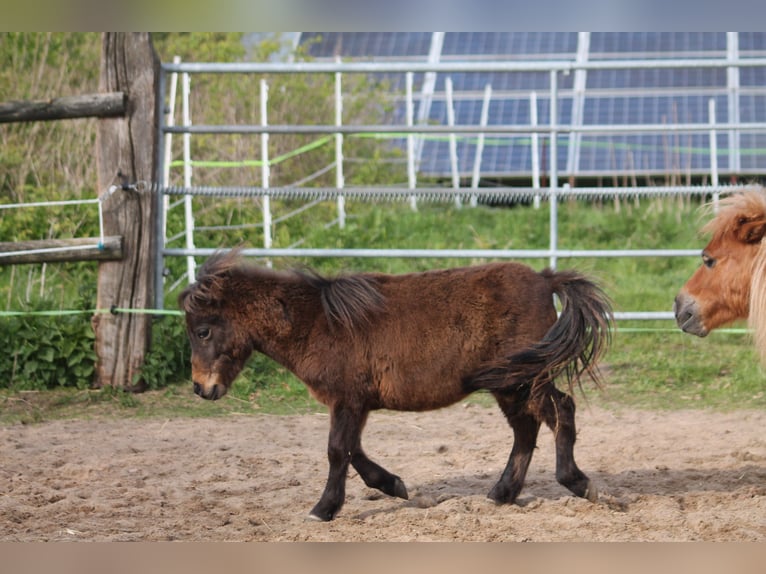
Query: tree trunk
{"points": [[126, 158]]}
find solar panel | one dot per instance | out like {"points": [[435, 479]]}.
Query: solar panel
{"points": [[608, 97]]}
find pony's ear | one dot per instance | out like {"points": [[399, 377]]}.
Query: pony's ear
{"points": [[750, 230]]}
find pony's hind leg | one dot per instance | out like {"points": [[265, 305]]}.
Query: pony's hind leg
{"points": [[525, 430], [375, 476], [558, 411]]}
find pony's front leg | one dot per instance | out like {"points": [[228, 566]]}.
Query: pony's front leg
{"points": [[345, 439], [375, 476]]}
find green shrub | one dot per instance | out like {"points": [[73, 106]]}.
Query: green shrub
{"points": [[169, 358], [43, 352], [50, 351]]}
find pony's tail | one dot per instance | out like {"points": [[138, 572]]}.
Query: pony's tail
{"points": [[570, 348]]}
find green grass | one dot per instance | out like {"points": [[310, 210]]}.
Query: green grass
{"points": [[671, 370], [655, 366]]}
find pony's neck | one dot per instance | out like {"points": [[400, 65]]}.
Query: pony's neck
{"points": [[285, 315]]}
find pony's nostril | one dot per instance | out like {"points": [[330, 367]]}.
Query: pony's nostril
{"points": [[197, 389], [683, 308]]}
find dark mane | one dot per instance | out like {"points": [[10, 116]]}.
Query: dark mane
{"points": [[348, 300], [199, 295], [209, 286]]}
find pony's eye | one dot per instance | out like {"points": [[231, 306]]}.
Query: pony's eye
{"points": [[203, 333], [707, 261]]}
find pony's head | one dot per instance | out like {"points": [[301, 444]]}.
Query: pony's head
{"points": [[220, 343], [727, 286]]}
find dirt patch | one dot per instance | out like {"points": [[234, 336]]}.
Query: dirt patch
{"points": [[689, 475]]}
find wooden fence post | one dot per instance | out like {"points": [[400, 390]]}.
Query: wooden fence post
{"points": [[126, 158]]}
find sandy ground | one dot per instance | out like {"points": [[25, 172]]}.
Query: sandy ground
{"points": [[689, 475]]}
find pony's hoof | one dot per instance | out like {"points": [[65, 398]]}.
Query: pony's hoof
{"points": [[400, 491], [502, 494], [591, 492], [322, 513]]}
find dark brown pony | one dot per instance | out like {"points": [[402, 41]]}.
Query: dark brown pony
{"points": [[407, 342], [731, 282]]}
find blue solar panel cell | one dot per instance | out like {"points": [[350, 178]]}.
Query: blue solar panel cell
{"points": [[508, 43], [753, 151], [755, 77], [658, 153], [502, 155], [669, 109], [476, 81], [752, 108], [501, 112], [510, 112], [656, 78], [366, 44], [752, 41], [656, 44]]}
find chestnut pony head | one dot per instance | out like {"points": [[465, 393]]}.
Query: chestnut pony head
{"points": [[729, 285]]}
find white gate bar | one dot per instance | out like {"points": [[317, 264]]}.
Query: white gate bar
{"points": [[420, 130], [535, 147], [483, 121], [339, 179], [188, 209], [713, 151], [732, 96], [439, 66], [265, 171], [554, 176], [168, 143], [452, 139], [410, 111]]}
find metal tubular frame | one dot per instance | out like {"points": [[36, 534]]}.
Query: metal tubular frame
{"points": [[553, 193]]}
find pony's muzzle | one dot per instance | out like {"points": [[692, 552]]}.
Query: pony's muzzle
{"points": [[688, 316], [211, 393]]}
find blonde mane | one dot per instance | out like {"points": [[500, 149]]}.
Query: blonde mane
{"points": [[733, 211], [749, 204], [756, 319]]}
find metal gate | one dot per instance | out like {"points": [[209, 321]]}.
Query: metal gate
{"points": [[551, 194]]}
